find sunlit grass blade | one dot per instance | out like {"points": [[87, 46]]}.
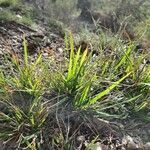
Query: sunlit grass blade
{"points": [[71, 60], [125, 56], [84, 95], [38, 60], [84, 56], [25, 51], [105, 92], [75, 65]]}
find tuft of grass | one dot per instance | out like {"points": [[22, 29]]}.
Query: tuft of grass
{"points": [[23, 128], [78, 81], [28, 77], [24, 113], [10, 16]]}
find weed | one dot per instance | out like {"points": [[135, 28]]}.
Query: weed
{"points": [[78, 81], [25, 112]]}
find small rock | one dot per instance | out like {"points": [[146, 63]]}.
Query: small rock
{"points": [[81, 138], [1, 145], [60, 50], [132, 144], [18, 16], [126, 139], [45, 54], [147, 146]]}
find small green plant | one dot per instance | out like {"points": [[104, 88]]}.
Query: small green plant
{"points": [[17, 11], [24, 113], [23, 128], [28, 77], [79, 80], [67, 8], [56, 27]]}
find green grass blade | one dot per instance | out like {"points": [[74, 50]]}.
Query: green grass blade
{"points": [[105, 92], [125, 56], [84, 94], [25, 51], [71, 61], [75, 66], [83, 58], [38, 60]]}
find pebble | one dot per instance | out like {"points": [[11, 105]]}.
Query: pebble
{"points": [[45, 54], [18, 16], [81, 138], [60, 50], [132, 146], [147, 146], [131, 143], [1, 145]]}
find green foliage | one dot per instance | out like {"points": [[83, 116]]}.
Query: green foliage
{"points": [[78, 81], [67, 8], [8, 3], [26, 20], [56, 27], [28, 77], [23, 128], [10, 16], [136, 9], [113, 84], [106, 86], [25, 113], [71, 82]]}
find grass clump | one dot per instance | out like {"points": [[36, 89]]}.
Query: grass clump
{"points": [[47, 108], [23, 128], [78, 81], [24, 112], [26, 20]]}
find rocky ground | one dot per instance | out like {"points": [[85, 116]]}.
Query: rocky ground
{"points": [[39, 40], [130, 134]]}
